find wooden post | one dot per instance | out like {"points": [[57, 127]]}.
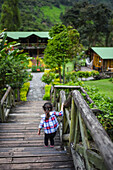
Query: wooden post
{"points": [[13, 98], [76, 138], [54, 97], [18, 95], [2, 113], [9, 100], [84, 141], [72, 127]]}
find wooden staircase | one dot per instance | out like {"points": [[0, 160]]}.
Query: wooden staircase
{"points": [[22, 148]]}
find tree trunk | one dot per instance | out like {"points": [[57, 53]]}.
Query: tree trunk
{"points": [[59, 70], [64, 73], [107, 38]]}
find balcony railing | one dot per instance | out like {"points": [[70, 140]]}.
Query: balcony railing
{"points": [[33, 45]]}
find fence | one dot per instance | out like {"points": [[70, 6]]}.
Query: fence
{"points": [[81, 131], [7, 102]]}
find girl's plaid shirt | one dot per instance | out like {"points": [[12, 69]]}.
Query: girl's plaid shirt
{"points": [[50, 125]]}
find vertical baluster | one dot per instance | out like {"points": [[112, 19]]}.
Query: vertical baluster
{"points": [[77, 132], [54, 97], [2, 113], [84, 141], [72, 127], [13, 97]]}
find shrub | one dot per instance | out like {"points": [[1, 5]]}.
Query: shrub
{"points": [[56, 81], [111, 79], [94, 73], [48, 77], [34, 68], [47, 92], [30, 77], [71, 76], [105, 104], [24, 91], [30, 64], [39, 68]]}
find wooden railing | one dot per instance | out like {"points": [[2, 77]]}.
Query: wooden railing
{"points": [[6, 103], [33, 45], [81, 131]]}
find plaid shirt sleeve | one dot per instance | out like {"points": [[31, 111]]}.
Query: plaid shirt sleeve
{"points": [[41, 125], [58, 113]]}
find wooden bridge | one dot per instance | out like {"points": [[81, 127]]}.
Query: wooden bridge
{"points": [[80, 133]]}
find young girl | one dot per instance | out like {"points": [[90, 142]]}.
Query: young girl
{"points": [[50, 123]]}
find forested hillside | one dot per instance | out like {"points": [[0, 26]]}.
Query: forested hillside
{"points": [[41, 15]]}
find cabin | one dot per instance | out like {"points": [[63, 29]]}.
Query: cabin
{"points": [[33, 43], [101, 58]]}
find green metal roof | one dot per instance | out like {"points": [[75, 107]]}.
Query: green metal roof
{"points": [[104, 52], [17, 35]]}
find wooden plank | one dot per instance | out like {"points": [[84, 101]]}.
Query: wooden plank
{"points": [[53, 165], [98, 133], [22, 148], [39, 159], [66, 87], [32, 154]]}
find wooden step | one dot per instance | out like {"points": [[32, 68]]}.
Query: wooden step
{"points": [[22, 148]]}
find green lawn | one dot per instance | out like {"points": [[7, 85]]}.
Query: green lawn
{"points": [[105, 86]]}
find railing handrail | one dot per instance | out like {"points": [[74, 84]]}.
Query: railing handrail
{"points": [[7, 101], [75, 88], [99, 135], [34, 43], [5, 95]]}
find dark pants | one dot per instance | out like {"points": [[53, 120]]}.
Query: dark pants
{"points": [[51, 137]]}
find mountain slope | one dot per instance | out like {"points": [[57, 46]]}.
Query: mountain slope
{"points": [[41, 15]]}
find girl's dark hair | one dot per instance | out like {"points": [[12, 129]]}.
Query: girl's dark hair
{"points": [[46, 104]]}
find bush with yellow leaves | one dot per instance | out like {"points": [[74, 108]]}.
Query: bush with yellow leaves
{"points": [[24, 90]]}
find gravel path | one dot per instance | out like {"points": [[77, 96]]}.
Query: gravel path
{"points": [[36, 90]]}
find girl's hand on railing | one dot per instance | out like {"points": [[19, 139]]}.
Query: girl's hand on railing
{"points": [[38, 132], [62, 106]]}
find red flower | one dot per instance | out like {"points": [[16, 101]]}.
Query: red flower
{"points": [[38, 69]]}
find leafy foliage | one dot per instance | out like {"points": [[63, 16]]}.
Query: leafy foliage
{"points": [[105, 104], [92, 21], [41, 15], [47, 92], [10, 16], [61, 47], [24, 91], [48, 77], [13, 65]]}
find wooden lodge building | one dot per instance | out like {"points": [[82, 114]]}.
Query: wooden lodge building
{"points": [[102, 58], [33, 43]]}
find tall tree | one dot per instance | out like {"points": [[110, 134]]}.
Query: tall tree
{"points": [[91, 21], [10, 16], [64, 44]]}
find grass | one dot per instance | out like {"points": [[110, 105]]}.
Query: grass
{"points": [[105, 86], [53, 13]]}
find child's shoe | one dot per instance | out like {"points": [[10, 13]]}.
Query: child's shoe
{"points": [[45, 146], [52, 146]]}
